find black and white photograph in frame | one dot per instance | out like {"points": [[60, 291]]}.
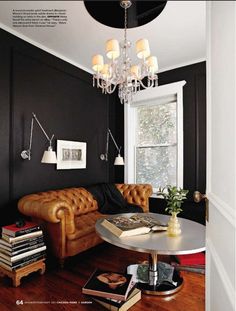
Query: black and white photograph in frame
{"points": [[71, 155]]}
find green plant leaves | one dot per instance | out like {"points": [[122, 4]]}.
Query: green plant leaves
{"points": [[174, 197]]}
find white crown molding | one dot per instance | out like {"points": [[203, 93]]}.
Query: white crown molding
{"points": [[44, 48], [68, 60], [192, 62]]}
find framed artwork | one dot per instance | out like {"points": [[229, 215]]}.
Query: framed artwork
{"points": [[71, 155]]}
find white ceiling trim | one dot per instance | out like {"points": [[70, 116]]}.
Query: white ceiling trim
{"points": [[194, 61], [66, 59]]}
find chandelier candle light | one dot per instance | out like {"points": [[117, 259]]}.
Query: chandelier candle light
{"points": [[120, 71]]}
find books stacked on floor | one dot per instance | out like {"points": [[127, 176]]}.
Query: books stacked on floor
{"points": [[190, 262], [114, 291], [21, 246]]}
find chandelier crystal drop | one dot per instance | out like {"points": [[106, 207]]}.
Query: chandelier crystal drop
{"points": [[119, 71]]}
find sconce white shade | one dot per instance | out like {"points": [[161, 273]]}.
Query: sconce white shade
{"points": [[49, 156], [97, 62], [112, 49], [119, 160], [142, 48], [152, 64]]}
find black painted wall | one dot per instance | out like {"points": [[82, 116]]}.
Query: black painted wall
{"points": [[64, 100], [66, 104]]}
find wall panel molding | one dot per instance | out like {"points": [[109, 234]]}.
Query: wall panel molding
{"points": [[225, 281], [225, 210]]}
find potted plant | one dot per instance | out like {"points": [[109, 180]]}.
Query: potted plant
{"points": [[174, 197]]}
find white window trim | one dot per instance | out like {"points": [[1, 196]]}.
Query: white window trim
{"points": [[175, 89]]}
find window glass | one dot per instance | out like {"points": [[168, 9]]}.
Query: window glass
{"points": [[156, 165], [156, 146], [156, 124]]}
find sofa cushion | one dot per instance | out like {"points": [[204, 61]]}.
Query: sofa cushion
{"points": [[84, 224]]}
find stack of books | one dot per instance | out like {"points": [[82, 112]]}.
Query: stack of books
{"points": [[114, 291], [21, 246], [191, 262]]}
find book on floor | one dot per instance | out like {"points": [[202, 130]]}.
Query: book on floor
{"points": [[190, 259], [20, 244], [190, 262], [123, 226], [22, 260], [14, 231], [22, 264], [13, 252], [196, 269], [109, 284], [118, 305], [20, 256], [22, 237]]}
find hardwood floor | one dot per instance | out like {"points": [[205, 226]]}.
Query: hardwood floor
{"points": [[57, 289]]}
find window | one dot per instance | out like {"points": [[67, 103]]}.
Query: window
{"points": [[154, 137]]}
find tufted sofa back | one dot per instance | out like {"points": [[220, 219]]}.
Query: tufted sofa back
{"points": [[138, 195], [82, 202]]}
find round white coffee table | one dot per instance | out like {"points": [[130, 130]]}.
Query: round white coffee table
{"points": [[191, 240]]}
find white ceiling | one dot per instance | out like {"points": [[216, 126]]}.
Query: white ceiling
{"points": [[176, 37]]}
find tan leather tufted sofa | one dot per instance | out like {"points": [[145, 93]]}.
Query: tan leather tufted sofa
{"points": [[68, 216]]}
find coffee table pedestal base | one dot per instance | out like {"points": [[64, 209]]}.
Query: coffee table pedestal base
{"points": [[161, 290], [153, 287]]}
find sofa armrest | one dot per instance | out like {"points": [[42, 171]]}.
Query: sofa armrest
{"points": [[50, 210], [136, 194]]}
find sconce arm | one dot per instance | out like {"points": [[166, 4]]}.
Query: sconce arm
{"points": [[26, 154], [113, 139], [41, 127], [104, 156]]}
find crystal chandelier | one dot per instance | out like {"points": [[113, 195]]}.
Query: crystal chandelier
{"points": [[120, 72]]}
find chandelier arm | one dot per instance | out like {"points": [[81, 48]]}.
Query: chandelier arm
{"points": [[96, 77], [112, 90], [146, 86]]}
